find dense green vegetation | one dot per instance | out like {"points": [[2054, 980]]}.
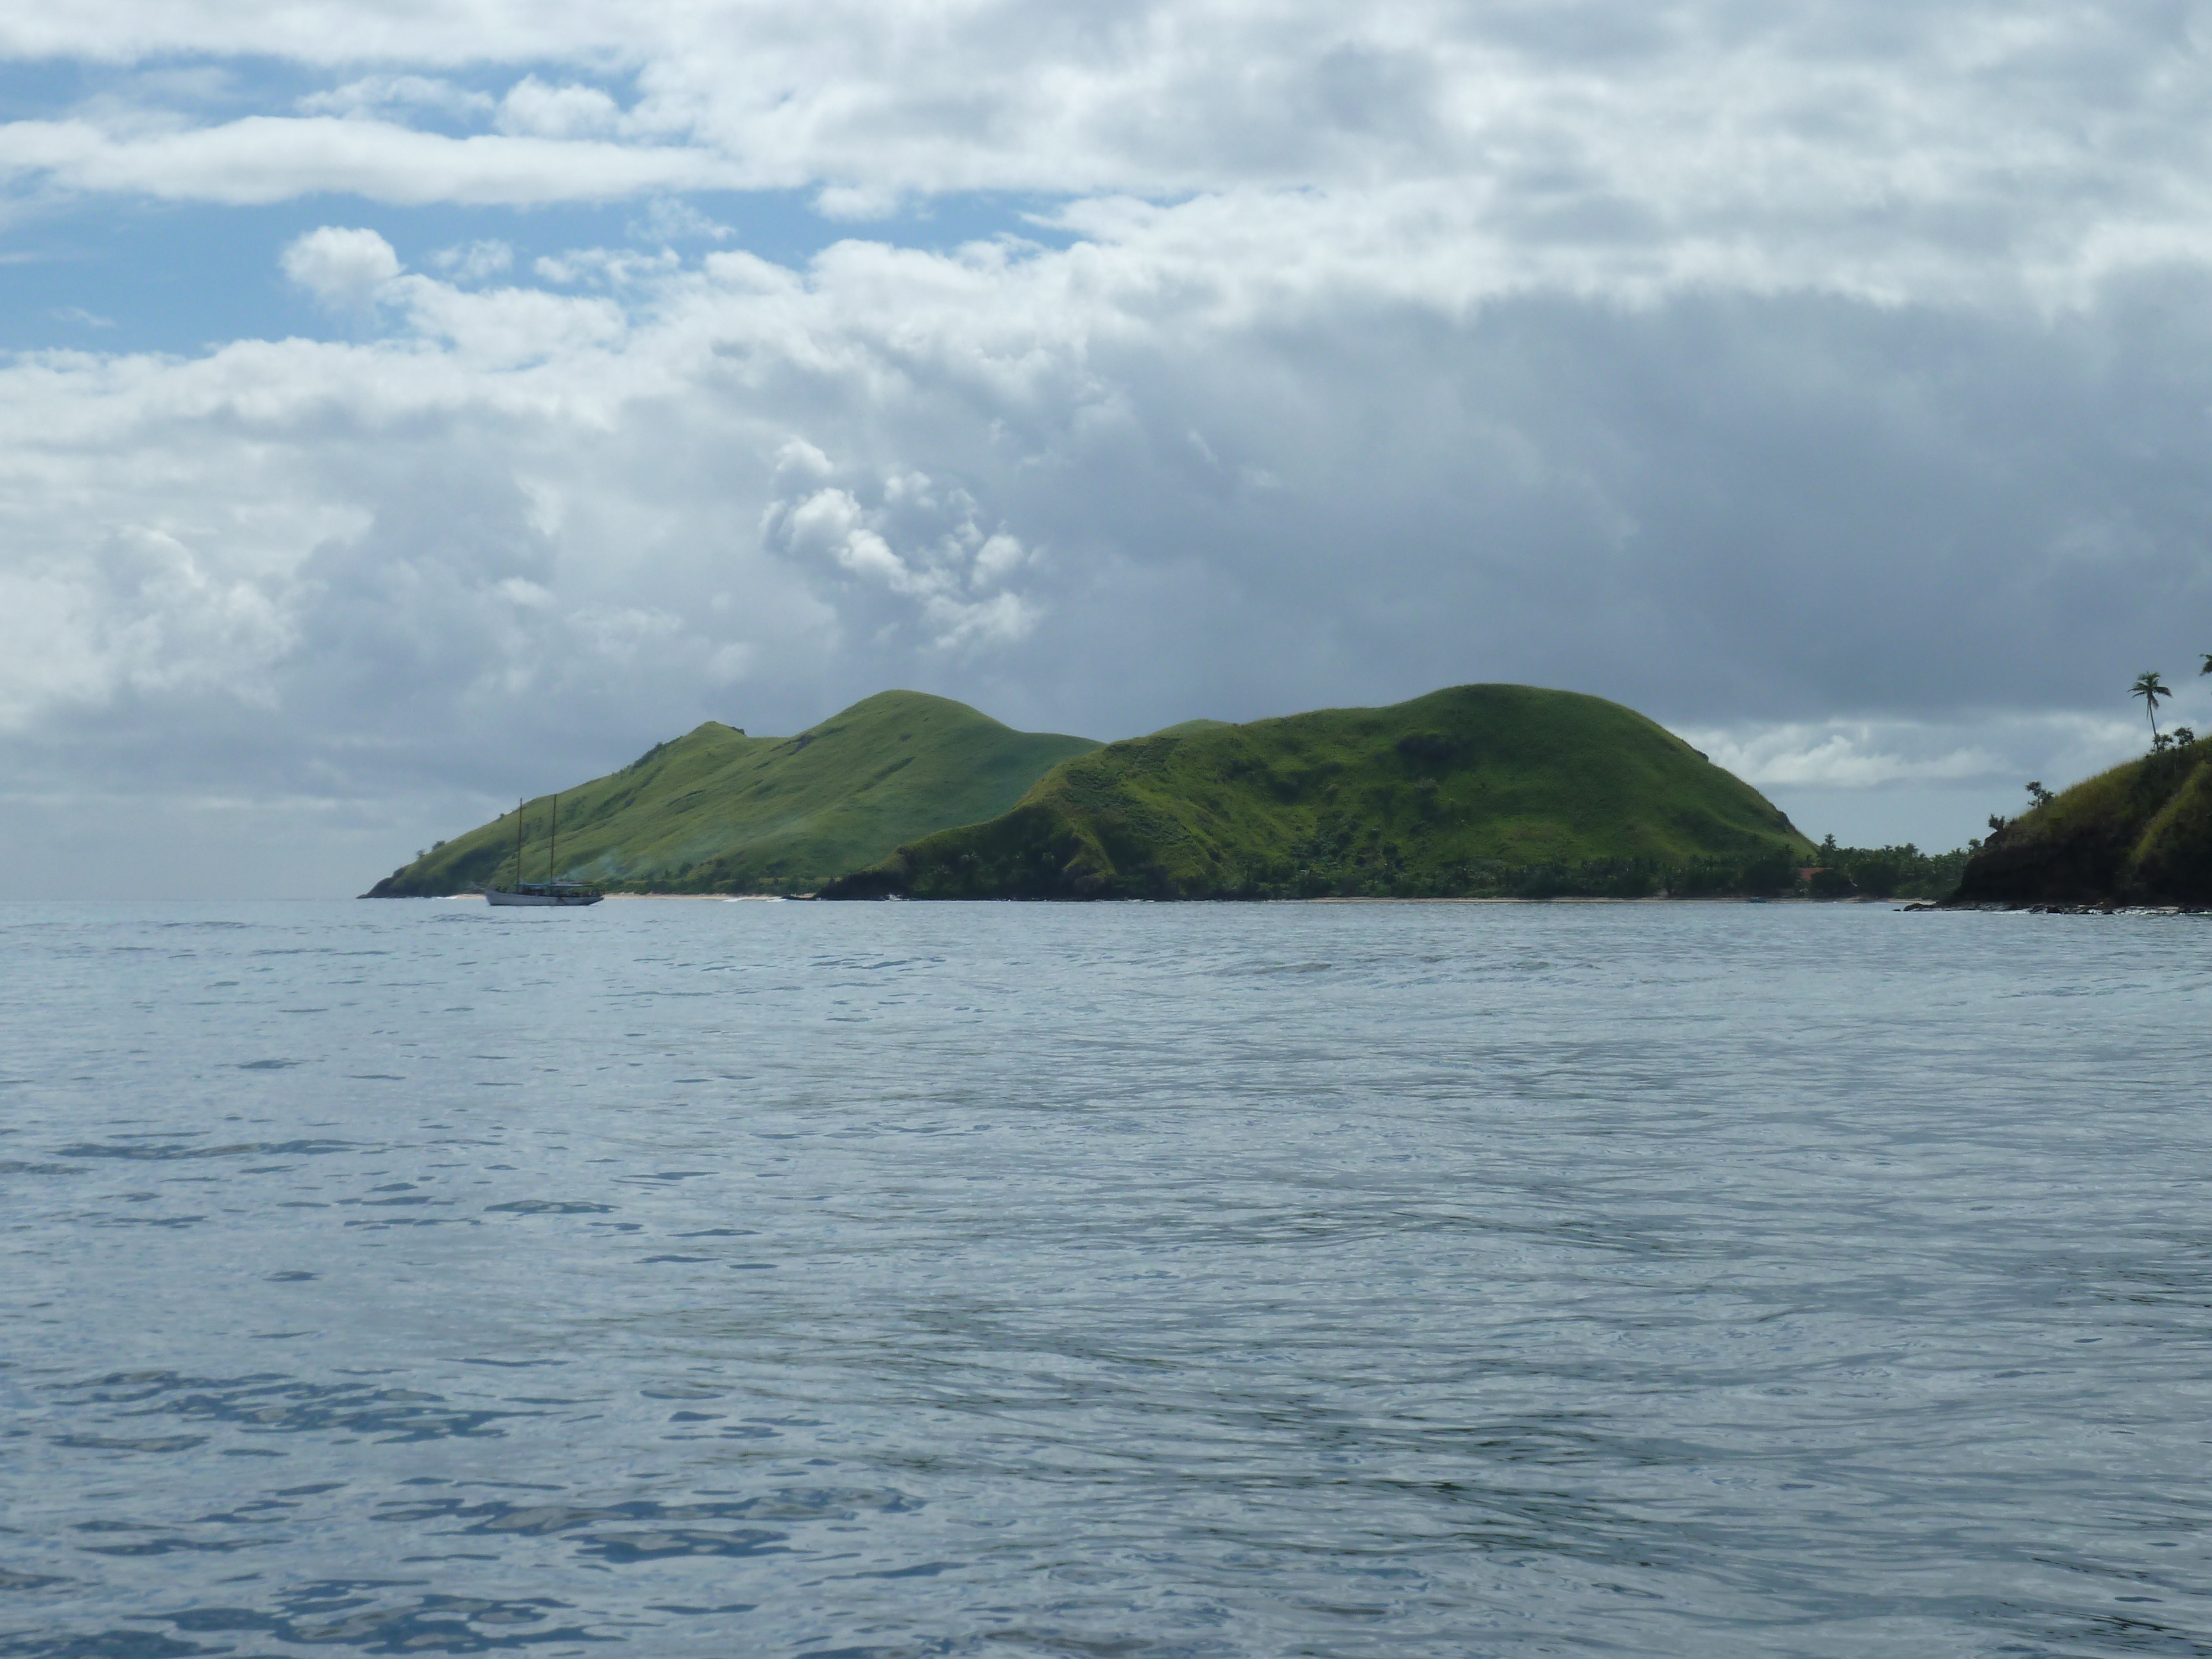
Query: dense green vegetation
{"points": [[1480, 790], [2140, 834], [716, 811], [1881, 872]]}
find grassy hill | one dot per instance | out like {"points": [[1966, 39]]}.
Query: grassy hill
{"points": [[715, 811], [1478, 789], [2140, 834], [1184, 728]]}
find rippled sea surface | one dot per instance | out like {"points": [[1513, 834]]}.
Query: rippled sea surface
{"points": [[727, 1279]]}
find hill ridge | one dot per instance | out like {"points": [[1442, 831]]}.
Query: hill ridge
{"points": [[1466, 790], [718, 810]]}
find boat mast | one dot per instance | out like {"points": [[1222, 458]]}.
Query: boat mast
{"points": [[518, 840], [553, 847]]}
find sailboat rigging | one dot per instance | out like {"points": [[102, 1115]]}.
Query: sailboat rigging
{"points": [[551, 891]]}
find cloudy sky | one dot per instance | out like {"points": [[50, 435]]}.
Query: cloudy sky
{"points": [[407, 405]]}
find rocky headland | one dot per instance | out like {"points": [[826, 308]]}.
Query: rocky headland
{"points": [[2137, 837]]}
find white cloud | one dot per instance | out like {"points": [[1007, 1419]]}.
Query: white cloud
{"points": [[472, 262], [605, 267], [858, 203], [999, 557], [985, 458], [375, 93], [1994, 751], [944, 565], [136, 611], [1844, 147], [511, 327], [621, 633], [730, 664], [796, 459], [565, 112], [263, 159], [1856, 756], [668, 219], [1934, 781], [344, 268]]}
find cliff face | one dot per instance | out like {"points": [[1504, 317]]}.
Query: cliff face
{"points": [[2140, 834]]}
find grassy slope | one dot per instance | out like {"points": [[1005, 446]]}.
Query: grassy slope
{"points": [[2140, 834], [1184, 728], [715, 811], [1452, 792]]}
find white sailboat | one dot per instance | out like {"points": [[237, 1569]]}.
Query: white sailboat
{"points": [[548, 892]]}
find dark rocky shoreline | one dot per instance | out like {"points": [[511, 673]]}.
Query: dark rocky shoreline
{"points": [[2040, 909]]}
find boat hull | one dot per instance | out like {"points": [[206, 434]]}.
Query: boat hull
{"points": [[546, 900]]}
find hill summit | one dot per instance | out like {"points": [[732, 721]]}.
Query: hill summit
{"points": [[1478, 789], [716, 811]]}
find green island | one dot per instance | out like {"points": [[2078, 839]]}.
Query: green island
{"points": [[718, 811], [1473, 792]]}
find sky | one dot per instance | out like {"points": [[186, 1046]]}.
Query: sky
{"points": [[407, 406]]}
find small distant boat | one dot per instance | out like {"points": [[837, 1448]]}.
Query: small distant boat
{"points": [[549, 892]]}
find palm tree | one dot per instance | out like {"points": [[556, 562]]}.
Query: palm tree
{"points": [[2150, 687]]}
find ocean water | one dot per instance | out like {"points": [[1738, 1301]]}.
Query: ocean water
{"points": [[677, 1279]]}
